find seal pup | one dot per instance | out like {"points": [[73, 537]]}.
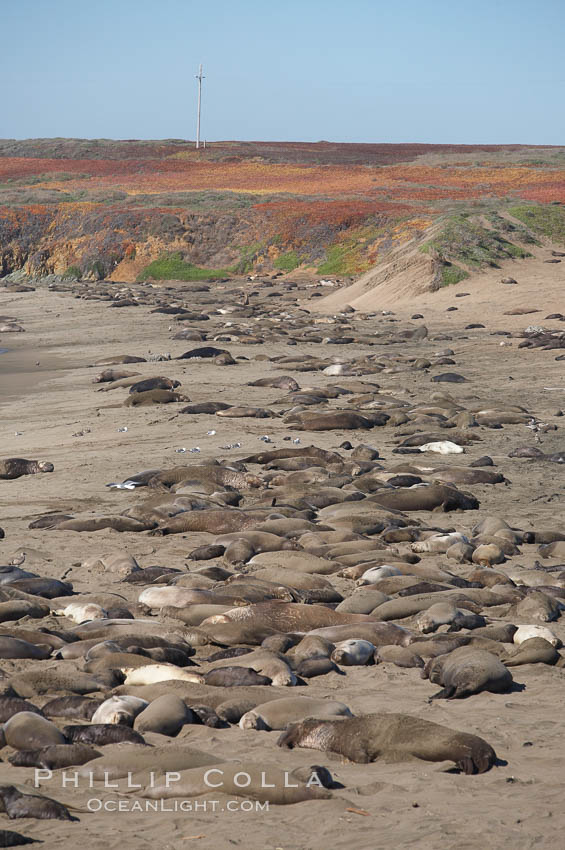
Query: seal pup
{"points": [[14, 467], [396, 737], [18, 805], [55, 757]]}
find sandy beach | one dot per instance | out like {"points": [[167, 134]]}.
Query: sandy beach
{"points": [[51, 410]]}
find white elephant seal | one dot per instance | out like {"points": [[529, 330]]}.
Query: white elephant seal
{"points": [[82, 612], [528, 632], [153, 673], [278, 713], [352, 652], [375, 574], [121, 710]]}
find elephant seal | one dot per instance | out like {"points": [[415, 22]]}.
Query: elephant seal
{"points": [[235, 676], [379, 634], [11, 647], [18, 805], [119, 709], [167, 715], [8, 838], [102, 734], [532, 651], [402, 656], [397, 737], [34, 682], [125, 761], [429, 498], [55, 757], [14, 467], [466, 671], [524, 633], [158, 383], [108, 375], [152, 673], [266, 663], [72, 706], [27, 730], [149, 397], [261, 782], [353, 652], [12, 705], [118, 523], [284, 616], [278, 713]]}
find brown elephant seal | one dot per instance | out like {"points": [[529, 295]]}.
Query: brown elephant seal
{"points": [[340, 420], [28, 731], [18, 805], [394, 737], [266, 663], [309, 668], [125, 761], [466, 671], [101, 734], [532, 651], [14, 467], [157, 383], [261, 782], [118, 359], [285, 616], [167, 715], [235, 676], [379, 634], [277, 714], [537, 606], [108, 375], [434, 497], [12, 705], [149, 397], [81, 708], [55, 757], [311, 646], [11, 647], [232, 710], [34, 682], [402, 656], [118, 523], [8, 838]]}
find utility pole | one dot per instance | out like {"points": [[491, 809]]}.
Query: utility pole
{"points": [[199, 77]]}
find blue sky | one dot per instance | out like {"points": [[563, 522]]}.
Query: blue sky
{"points": [[453, 71]]}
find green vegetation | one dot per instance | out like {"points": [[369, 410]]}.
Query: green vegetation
{"points": [[509, 227], [249, 254], [288, 262], [349, 255], [173, 267], [98, 269], [72, 273], [451, 274], [544, 219], [464, 240]]}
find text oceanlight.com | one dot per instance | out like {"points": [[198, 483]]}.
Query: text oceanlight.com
{"points": [[95, 804]]}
